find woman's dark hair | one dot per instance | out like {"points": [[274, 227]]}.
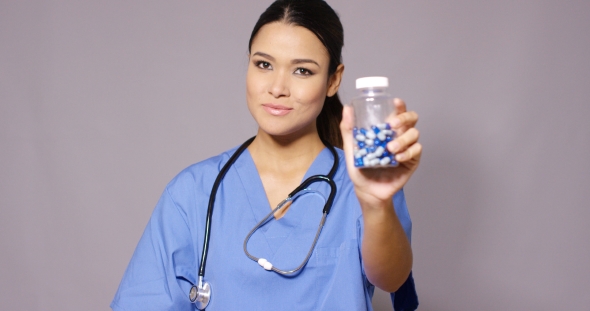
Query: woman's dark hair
{"points": [[318, 17]]}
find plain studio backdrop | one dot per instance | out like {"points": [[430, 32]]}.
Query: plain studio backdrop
{"points": [[103, 102]]}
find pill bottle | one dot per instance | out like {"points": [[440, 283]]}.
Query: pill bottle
{"points": [[371, 132]]}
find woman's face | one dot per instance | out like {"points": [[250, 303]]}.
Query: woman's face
{"points": [[287, 80]]}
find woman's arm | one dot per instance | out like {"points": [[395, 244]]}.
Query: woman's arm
{"points": [[157, 277], [386, 250]]}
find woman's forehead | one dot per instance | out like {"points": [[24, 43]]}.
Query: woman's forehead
{"points": [[287, 41]]}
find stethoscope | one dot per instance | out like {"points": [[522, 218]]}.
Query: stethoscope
{"points": [[200, 294]]}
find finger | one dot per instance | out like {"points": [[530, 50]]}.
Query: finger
{"points": [[403, 121], [400, 105], [347, 122], [414, 152], [404, 141]]}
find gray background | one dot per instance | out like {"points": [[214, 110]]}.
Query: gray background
{"points": [[103, 102]]}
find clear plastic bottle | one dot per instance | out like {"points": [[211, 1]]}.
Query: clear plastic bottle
{"points": [[371, 132]]}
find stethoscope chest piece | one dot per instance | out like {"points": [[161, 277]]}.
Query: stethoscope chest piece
{"points": [[200, 295]]}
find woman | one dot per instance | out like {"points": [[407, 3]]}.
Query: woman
{"points": [[294, 73]]}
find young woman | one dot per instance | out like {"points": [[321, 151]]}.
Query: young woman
{"points": [[294, 73]]}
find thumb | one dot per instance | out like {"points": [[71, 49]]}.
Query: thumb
{"points": [[346, 126]]}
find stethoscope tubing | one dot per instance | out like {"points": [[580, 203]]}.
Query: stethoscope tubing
{"points": [[291, 197], [218, 180], [201, 294]]}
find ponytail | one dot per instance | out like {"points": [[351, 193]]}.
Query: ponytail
{"points": [[328, 121]]}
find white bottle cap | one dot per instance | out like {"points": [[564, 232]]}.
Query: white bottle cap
{"points": [[367, 82]]}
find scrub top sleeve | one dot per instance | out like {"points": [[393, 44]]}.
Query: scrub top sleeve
{"points": [[159, 274]]}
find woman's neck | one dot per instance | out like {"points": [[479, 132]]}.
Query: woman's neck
{"points": [[285, 152], [282, 162]]}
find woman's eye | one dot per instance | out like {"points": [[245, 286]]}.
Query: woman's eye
{"points": [[303, 71], [263, 65]]}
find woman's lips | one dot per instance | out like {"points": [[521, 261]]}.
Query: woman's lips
{"points": [[276, 110]]}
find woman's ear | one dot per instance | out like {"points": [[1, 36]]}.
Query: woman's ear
{"points": [[334, 81]]}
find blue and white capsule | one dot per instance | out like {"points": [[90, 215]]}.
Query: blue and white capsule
{"points": [[370, 148]]}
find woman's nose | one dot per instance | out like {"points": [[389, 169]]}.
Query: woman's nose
{"points": [[279, 85]]}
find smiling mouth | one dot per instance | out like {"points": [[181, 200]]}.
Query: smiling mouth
{"points": [[276, 110]]}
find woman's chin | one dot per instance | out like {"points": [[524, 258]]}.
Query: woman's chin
{"points": [[281, 132]]}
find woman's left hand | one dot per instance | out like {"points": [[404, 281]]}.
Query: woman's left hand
{"points": [[375, 186]]}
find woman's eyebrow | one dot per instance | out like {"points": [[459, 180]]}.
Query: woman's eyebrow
{"points": [[264, 55], [295, 61], [303, 61]]}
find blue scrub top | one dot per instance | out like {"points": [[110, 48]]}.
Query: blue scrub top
{"points": [[166, 261]]}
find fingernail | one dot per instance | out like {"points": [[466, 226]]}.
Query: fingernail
{"points": [[400, 157], [395, 122], [394, 147]]}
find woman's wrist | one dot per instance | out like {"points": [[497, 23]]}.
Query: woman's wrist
{"points": [[369, 201]]}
